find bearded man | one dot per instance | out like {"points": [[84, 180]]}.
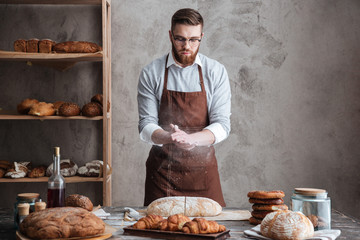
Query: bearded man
{"points": [[184, 103]]}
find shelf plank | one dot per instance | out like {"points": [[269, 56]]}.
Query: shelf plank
{"points": [[53, 2], [12, 115], [74, 179], [48, 57]]}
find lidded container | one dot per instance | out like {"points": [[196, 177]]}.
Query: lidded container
{"points": [[22, 198], [315, 204]]}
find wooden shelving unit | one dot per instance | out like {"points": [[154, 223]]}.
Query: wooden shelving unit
{"points": [[63, 62]]}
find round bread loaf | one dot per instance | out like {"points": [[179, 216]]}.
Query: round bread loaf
{"points": [[64, 222], [25, 105], [98, 98], [76, 200], [92, 109], [37, 172], [42, 109], [266, 194], [67, 168], [57, 105], [195, 206], [286, 225], [69, 109]]}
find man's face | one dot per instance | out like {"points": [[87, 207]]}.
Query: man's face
{"points": [[185, 51]]}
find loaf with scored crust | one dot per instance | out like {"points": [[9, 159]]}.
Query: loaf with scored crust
{"points": [[195, 206], [64, 222], [286, 225]]}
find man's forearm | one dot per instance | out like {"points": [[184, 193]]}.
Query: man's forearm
{"points": [[203, 138], [161, 136]]}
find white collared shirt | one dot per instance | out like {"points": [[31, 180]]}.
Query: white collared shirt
{"points": [[217, 87]]}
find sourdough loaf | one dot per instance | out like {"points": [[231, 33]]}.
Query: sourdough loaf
{"points": [[195, 206], [286, 225], [65, 222]]}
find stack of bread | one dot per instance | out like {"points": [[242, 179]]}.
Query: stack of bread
{"points": [[265, 202]]}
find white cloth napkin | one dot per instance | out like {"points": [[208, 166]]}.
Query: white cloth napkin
{"points": [[318, 235], [101, 213]]}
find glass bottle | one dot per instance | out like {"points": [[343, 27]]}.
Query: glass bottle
{"points": [[56, 184]]}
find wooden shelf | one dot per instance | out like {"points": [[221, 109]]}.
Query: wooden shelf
{"points": [[80, 2], [12, 115], [50, 57], [75, 179]]}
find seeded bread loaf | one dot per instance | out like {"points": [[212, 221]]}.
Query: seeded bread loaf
{"points": [[76, 200], [64, 222], [195, 206]]}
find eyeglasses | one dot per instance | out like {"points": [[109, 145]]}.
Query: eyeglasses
{"points": [[180, 41]]}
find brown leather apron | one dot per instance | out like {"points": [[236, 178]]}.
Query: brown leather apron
{"points": [[171, 171]]}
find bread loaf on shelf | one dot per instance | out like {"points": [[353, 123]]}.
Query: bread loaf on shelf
{"points": [[20, 45], [76, 47], [67, 168], [46, 45], [195, 206], [32, 45], [286, 225]]}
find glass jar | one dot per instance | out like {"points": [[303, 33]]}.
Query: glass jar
{"points": [[315, 204], [30, 198]]}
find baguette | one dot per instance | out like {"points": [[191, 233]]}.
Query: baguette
{"points": [[195, 206]]}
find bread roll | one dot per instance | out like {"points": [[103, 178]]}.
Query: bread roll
{"points": [[42, 109], [64, 222], [76, 200], [25, 106], [195, 206], [286, 225]]}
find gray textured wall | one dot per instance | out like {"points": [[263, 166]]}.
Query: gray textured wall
{"points": [[294, 73]]}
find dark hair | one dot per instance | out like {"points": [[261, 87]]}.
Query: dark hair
{"points": [[187, 16]]}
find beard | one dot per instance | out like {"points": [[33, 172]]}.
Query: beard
{"points": [[183, 59]]}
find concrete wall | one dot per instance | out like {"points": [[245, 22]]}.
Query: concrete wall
{"points": [[294, 73]]}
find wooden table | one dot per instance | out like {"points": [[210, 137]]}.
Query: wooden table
{"points": [[350, 227]]}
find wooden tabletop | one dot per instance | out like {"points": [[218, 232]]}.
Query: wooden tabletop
{"points": [[350, 227]]}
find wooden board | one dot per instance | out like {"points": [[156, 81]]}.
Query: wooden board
{"points": [[174, 235], [107, 234]]}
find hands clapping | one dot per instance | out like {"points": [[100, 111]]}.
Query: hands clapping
{"points": [[182, 139]]}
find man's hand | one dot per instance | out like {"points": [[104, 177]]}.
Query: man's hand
{"points": [[182, 139]]}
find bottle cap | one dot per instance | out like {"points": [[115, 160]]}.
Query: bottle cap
{"points": [[28, 195], [40, 206], [57, 151], [23, 209]]}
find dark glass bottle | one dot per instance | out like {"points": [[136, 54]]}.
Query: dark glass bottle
{"points": [[56, 184]]}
